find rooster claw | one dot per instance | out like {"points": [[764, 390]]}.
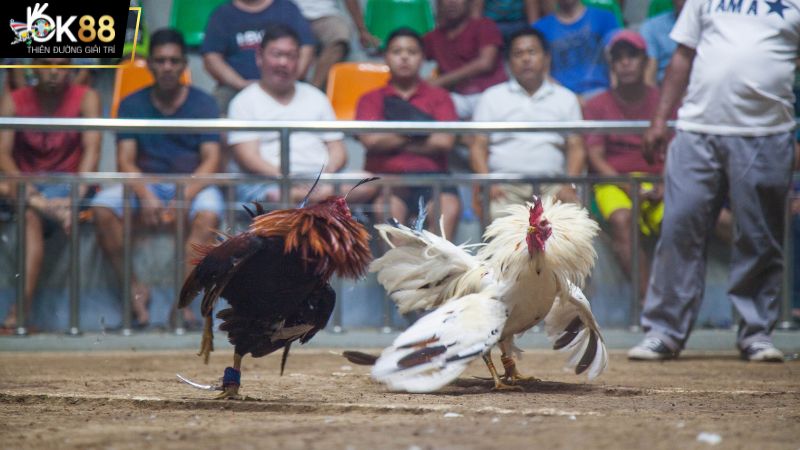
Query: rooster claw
{"points": [[506, 387], [204, 387]]}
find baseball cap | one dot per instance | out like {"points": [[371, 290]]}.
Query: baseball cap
{"points": [[631, 37]]}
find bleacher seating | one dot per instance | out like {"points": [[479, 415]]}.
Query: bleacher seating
{"points": [[191, 18], [348, 81], [384, 16]]}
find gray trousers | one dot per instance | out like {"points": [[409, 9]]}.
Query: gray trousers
{"points": [[701, 169]]}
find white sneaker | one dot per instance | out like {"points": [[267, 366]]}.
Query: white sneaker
{"points": [[762, 351], [651, 349]]}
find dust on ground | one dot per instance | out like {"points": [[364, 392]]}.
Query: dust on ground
{"points": [[124, 400]]}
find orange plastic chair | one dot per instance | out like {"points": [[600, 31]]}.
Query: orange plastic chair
{"points": [[131, 77], [348, 81]]}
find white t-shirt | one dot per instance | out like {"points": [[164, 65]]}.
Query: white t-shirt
{"points": [[741, 80], [308, 150], [314, 9], [528, 153]]}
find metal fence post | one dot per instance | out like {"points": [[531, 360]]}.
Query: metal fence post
{"points": [[436, 207], [22, 209], [180, 231], [127, 260], [788, 268], [635, 275], [74, 259], [286, 184], [388, 322]]}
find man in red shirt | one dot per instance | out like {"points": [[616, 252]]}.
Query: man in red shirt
{"points": [[615, 154], [467, 54], [408, 97], [22, 151]]}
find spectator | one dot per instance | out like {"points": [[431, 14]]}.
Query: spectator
{"points": [[576, 34], [660, 47], [22, 151], [735, 135], [467, 54], [197, 154], [408, 97], [528, 96], [617, 154], [279, 96], [333, 33], [233, 37], [510, 15]]}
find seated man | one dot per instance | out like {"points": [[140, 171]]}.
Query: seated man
{"points": [[467, 54], [615, 154], [528, 96], [197, 154], [576, 34], [333, 33], [407, 97], [279, 96], [23, 151], [233, 37]]}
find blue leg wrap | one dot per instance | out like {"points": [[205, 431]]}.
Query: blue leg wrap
{"points": [[232, 377]]}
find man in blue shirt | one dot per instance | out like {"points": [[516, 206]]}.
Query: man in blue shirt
{"points": [[197, 154], [233, 36], [577, 35], [660, 47]]}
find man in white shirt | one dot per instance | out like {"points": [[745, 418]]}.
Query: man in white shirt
{"points": [[735, 137], [333, 33], [279, 96], [528, 96]]}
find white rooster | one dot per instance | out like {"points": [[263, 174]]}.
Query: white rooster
{"points": [[530, 268]]}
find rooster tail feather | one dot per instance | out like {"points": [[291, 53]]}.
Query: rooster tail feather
{"points": [[572, 328], [436, 349]]}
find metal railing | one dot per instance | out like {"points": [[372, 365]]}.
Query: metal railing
{"points": [[437, 182]]}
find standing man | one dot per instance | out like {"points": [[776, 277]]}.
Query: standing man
{"points": [[735, 135], [528, 96], [233, 37], [188, 153], [54, 95]]}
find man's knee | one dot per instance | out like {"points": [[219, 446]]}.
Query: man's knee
{"points": [[621, 220], [205, 221]]}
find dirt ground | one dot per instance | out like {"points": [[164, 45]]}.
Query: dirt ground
{"points": [[125, 400]]}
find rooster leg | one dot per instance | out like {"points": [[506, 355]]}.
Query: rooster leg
{"points": [[512, 375], [207, 344], [498, 383], [231, 380]]}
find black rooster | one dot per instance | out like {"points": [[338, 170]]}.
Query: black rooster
{"points": [[275, 277]]}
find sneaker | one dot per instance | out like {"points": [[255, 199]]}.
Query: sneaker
{"points": [[762, 351], [651, 349]]}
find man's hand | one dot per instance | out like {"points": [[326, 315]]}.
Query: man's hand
{"points": [[151, 209], [655, 142], [495, 193], [568, 194], [368, 40]]}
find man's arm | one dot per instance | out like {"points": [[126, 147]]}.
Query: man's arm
{"points": [[221, 71], [434, 143], [383, 142], [304, 61], [651, 72], [576, 164], [533, 11], [249, 159], [598, 162], [337, 156], [210, 155], [90, 140], [675, 81], [7, 164], [478, 66], [477, 8], [366, 38]]}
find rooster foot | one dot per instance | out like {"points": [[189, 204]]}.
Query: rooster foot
{"points": [[500, 386], [230, 392], [512, 375]]}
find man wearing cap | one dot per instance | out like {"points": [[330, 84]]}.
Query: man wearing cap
{"points": [[618, 154], [734, 136]]}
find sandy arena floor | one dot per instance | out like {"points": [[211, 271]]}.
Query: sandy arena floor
{"points": [[122, 400]]}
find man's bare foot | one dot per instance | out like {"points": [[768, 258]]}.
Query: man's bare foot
{"points": [[140, 300]]}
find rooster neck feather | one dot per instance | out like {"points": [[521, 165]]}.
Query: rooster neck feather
{"points": [[324, 235], [569, 253]]}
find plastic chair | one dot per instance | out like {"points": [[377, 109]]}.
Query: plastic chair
{"points": [[348, 81], [608, 5], [657, 7], [131, 77], [191, 18], [384, 16]]}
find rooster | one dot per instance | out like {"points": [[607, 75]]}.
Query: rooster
{"points": [[275, 278], [532, 263]]}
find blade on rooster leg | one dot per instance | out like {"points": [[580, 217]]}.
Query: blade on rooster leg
{"points": [[275, 278]]}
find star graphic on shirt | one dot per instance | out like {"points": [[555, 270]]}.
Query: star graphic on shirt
{"points": [[776, 7]]}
